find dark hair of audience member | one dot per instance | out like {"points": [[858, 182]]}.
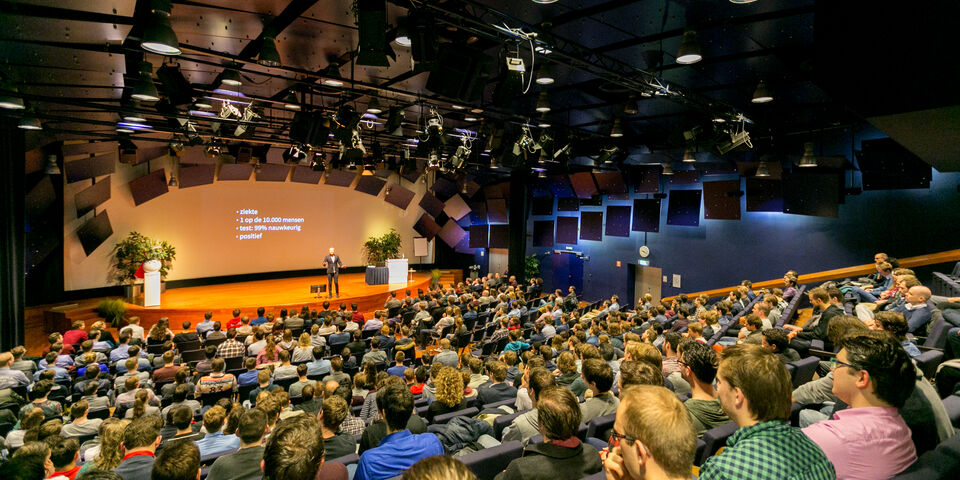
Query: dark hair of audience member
{"points": [[178, 460], [294, 450], [438, 468]]}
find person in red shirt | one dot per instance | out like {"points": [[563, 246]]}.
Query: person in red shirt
{"points": [[76, 335], [64, 453], [235, 321], [56, 338]]}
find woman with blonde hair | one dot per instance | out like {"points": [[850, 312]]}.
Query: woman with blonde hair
{"points": [[303, 352], [105, 335], [107, 455], [449, 393]]}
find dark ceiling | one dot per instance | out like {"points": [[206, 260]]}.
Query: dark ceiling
{"points": [[70, 60]]}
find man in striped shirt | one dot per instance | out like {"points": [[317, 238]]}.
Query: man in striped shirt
{"points": [[217, 381]]}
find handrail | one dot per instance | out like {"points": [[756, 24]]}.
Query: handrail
{"points": [[856, 270]]}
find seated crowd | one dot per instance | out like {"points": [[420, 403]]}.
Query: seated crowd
{"points": [[487, 364]]}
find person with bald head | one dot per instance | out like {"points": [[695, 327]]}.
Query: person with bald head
{"points": [[333, 265], [8, 376], [915, 307]]}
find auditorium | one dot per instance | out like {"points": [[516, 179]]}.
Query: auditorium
{"points": [[479, 240]]}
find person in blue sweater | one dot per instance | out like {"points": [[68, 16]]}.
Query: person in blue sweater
{"points": [[516, 345]]}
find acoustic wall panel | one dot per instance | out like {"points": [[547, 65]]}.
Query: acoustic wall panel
{"points": [[87, 148], [815, 194], [93, 233], [445, 188], [150, 186], [560, 186], [618, 221], [646, 179], [451, 233], [540, 188], [269, 172], [684, 208], [886, 165], [472, 188], [90, 167], [431, 204], [195, 156], [721, 200], [399, 196], [542, 206], [497, 210], [684, 177], [456, 208], [339, 178], [41, 197], [543, 233], [89, 198], [479, 235], [493, 191], [591, 226], [499, 236], [196, 175], [478, 212], [764, 195], [567, 228], [235, 171], [427, 227], [571, 204], [610, 183], [646, 215], [370, 184], [302, 174], [583, 184]]}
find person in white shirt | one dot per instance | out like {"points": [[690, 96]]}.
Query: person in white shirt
{"points": [[136, 331]]}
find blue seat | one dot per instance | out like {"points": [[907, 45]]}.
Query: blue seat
{"points": [[598, 426], [346, 459], [446, 417], [487, 463], [942, 462], [952, 404], [713, 439], [803, 370], [502, 422]]}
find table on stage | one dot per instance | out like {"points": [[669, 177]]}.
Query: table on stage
{"points": [[394, 272]]}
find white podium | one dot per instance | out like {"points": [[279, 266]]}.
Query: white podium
{"points": [[397, 270], [151, 283]]}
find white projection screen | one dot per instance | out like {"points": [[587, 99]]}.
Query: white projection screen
{"points": [[237, 227]]}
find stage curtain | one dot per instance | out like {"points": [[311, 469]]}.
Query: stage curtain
{"points": [[12, 297]]}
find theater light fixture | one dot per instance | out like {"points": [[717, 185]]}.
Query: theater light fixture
{"points": [[545, 75], [203, 104], [143, 87], [52, 168], [741, 2], [402, 37], [544, 2], [290, 102], [30, 121], [394, 124], [808, 159], [688, 156], [689, 49], [543, 103], [231, 77], [617, 130], [374, 106], [763, 170], [11, 101], [331, 76], [133, 116], [762, 94], [667, 169], [269, 57], [543, 123], [158, 35]]}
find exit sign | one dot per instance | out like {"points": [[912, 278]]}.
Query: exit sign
{"points": [[644, 263]]}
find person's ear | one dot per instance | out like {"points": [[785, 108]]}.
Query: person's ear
{"points": [[261, 465], [863, 379], [198, 474], [156, 442]]}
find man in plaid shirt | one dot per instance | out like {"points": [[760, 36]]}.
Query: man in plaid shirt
{"points": [[231, 347], [754, 388]]}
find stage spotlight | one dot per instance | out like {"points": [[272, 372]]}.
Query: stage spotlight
{"points": [[607, 155], [290, 101], [433, 161], [30, 121], [158, 35], [762, 93], [689, 49], [372, 30], [808, 159], [231, 77], [331, 76], [688, 156], [667, 169], [401, 34], [617, 130], [763, 170], [203, 104], [245, 127], [143, 87], [373, 106], [545, 74], [394, 124], [269, 57], [177, 90], [317, 164], [543, 103], [295, 154], [434, 123], [12, 100]]}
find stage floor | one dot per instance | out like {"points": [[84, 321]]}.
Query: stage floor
{"points": [[189, 303]]}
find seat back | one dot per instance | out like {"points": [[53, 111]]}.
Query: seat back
{"points": [[713, 439], [598, 426], [285, 382], [937, 336], [487, 463], [233, 363], [346, 459], [446, 417], [214, 342], [804, 370], [502, 422], [952, 404], [188, 356]]}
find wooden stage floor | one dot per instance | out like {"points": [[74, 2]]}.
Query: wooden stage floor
{"points": [[190, 303]]}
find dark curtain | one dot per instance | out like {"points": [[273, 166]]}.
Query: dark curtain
{"points": [[517, 213], [12, 298]]}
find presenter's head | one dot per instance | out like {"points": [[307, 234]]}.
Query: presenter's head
{"points": [[331, 250]]}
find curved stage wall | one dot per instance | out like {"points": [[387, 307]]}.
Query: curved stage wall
{"points": [[296, 223]]}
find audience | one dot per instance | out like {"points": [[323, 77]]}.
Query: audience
{"points": [[141, 437], [699, 369], [244, 463], [294, 451]]}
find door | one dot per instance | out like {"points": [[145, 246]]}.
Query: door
{"points": [[567, 271], [646, 280]]}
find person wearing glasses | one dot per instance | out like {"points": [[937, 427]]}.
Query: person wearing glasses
{"points": [[754, 388], [869, 440], [561, 455], [653, 437]]}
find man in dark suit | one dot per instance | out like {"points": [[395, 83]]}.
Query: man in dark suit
{"points": [[333, 264], [495, 390], [186, 336]]}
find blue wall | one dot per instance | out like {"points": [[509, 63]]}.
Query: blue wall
{"points": [[762, 246]]}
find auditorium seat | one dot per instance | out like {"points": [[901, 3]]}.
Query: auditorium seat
{"points": [[502, 422], [713, 439], [952, 404], [211, 457], [803, 370], [598, 427], [446, 417], [487, 463], [508, 402], [601, 475], [928, 361], [346, 459], [942, 462]]}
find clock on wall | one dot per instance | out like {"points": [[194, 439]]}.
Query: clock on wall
{"points": [[644, 251]]}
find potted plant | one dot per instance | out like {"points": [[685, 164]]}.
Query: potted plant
{"points": [[531, 267], [377, 250], [112, 310], [137, 251]]}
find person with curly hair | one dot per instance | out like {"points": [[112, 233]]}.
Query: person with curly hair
{"points": [[449, 396]]}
